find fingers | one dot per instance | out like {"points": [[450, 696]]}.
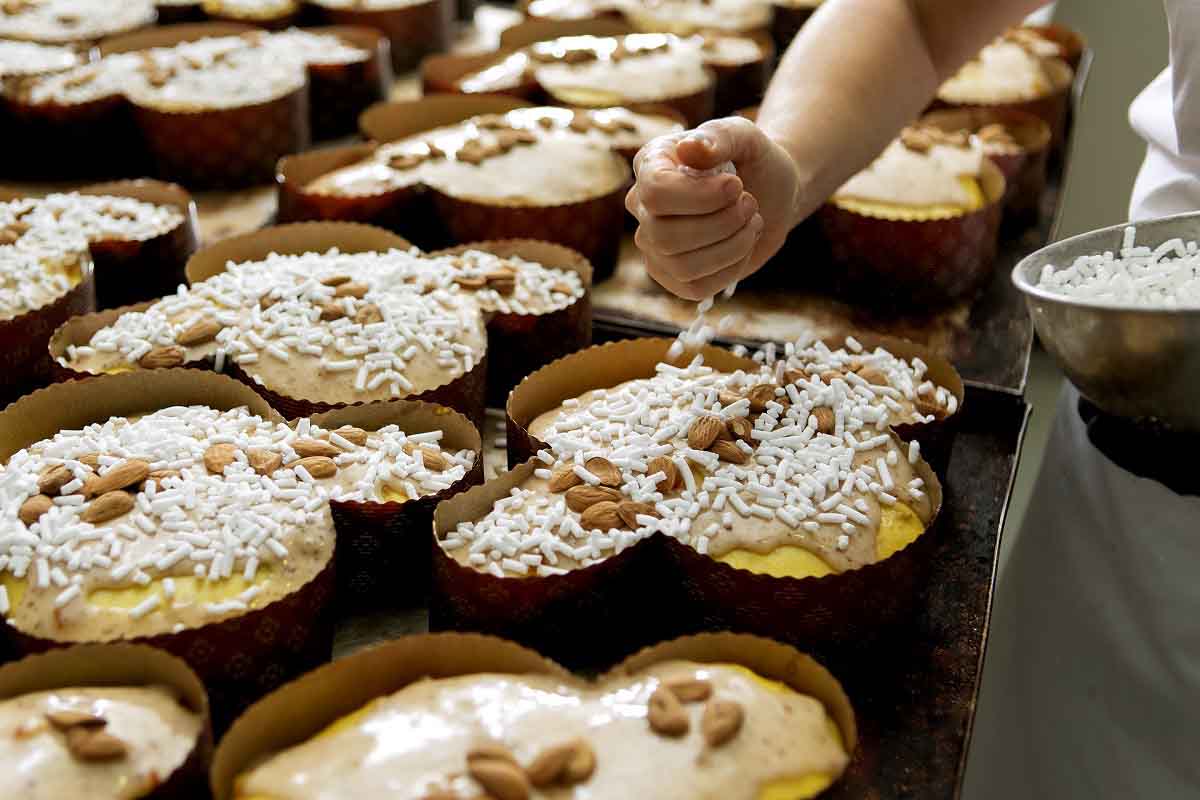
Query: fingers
{"points": [[699, 273], [670, 236], [662, 189], [731, 139]]}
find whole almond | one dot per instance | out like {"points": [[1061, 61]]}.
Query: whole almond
{"points": [[470, 281], [335, 280], [794, 376], [54, 478], [199, 332], [368, 315], [331, 311], [126, 473], [158, 476], [432, 459], [728, 398], [162, 357], [352, 434], [760, 395], [266, 301], [826, 420], [927, 407], [500, 779], [581, 765], [563, 477], [318, 466], [665, 714], [218, 457], [67, 718], [89, 460], [315, 447], [107, 507], [491, 750], [605, 470], [604, 516], [742, 430], [831, 375], [33, 508], [874, 376], [728, 451], [689, 690], [704, 431], [721, 721], [502, 284], [89, 744], [629, 511], [667, 467], [549, 764], [352, 289], [581, 498], [263, 461]]}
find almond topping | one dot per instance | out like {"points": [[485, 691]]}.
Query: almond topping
{"points": [[432, 459], [33, 508], [335, 280], [90, 460], [581, 766], [565, 764], [629, 511], [665, 714], [563, 477], [500, 779], [761, 395], [667, 467], [581, 498], [318, 466], [470, 281], [603, 516], [831, 375], [874, 376], [127, 473], [605, 470], [721, 721], [826, 421], [491, 750], [742, 429], [916, 140], [88, 744], [355, 290], [927, 407], [352, 434], [68, 718], [727, 398], [689, 690], [331, 311], [218, 457], [108, 506], [54, 478], [158, 476], [199, 333], [368, 315], [162, 357], [263, 461], [315, 447], [704, 432], [728, 451]]}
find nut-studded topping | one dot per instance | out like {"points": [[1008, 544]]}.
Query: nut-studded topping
{"points": [[564, 764], [629, 511], [352, 289], [873, 376], [199, 332], [405, 160], [689, 690], [826, 420], [218, 457], [728, 451], [108, 506], [94, 744], [916, 139], [581, 765], [331, 311], [500, 779], [315, 447], [163, 357], [430, 457], [761, 395], [33, 508], [335, 280], [90, 460], [927, 407], [667, 467], [665, 714], [54, 478], [563, 477], [605, 470], [127, 473], [470, 281], [264, 462], [704, 431], [158, 476], [604, 516], [368, 315], [502, 282], [741, 429], [722, 720], [352, 435], [68, 718], [581, 498], [318, 466], [491, 750]]}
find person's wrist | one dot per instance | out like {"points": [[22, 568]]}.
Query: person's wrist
{"points": [[800, 205]]}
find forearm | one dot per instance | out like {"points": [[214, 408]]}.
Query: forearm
{"points": [[861, 70]]}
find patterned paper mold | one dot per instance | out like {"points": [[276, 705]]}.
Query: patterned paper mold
{"points": [[71, 676], [761, 683], [788, 18], [244, 630], [415, 28]]}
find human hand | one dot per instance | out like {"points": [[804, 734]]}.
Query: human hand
{"points": [[701, 228]]}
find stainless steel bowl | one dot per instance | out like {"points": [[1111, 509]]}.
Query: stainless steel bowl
{"points": [[1132, 362]]}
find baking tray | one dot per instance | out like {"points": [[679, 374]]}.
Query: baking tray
{"points": [[914, 692]]}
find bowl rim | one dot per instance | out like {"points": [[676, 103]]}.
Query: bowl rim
{"points": [[1032, 291]]}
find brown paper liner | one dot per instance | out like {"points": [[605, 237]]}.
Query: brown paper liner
{"points": [[123, 665], [78, 331], [1024, 171], [440, 74], [518, 344], [383, 548], [180, 14], [61, 141], [305, 707], [1070, 41], [241, 658], [898, 264], [465, 393], [132, 271], [24, 357], [275, 22], [566, 617], [414, 31], [339, 93], [599, 367], [787, 22], [742, 85]]}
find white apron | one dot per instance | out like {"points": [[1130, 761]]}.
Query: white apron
{"points": [[1091, 687]]}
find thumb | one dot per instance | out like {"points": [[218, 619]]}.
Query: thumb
{"points": [[714, 143]]}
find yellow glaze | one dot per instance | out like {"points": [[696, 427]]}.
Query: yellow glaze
{"points": [[389, 495], [898, 528], [905, 213], [188, 589]]}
